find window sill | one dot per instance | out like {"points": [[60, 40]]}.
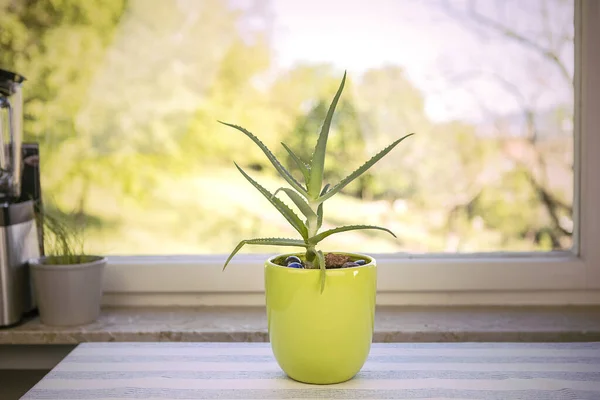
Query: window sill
{"points": [[393, 324], [32, 345]]}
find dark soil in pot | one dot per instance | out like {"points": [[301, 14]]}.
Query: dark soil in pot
{"points": [[332, 261]]}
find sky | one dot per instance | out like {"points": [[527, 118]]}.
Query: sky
{"points": [[431, 46], [455, 66]]}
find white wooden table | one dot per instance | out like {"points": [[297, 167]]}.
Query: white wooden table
{"points": [[502, 371]]}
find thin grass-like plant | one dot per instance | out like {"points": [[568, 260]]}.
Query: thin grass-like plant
{"points": [[64, 240]]}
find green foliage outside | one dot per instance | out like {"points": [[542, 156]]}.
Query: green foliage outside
{"points": [[124, 98]]}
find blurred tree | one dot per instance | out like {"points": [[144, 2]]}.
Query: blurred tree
{"points": [[234, 94], [57, 45], [304, 107], [390, 106], [346, 147], [538, 152], [113, 86], [163, 63]]}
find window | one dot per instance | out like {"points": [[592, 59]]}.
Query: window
{"points": [[491, 200]]}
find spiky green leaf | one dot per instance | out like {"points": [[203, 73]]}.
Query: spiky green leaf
{"points": [[320, 208], [301, 165], [317, 238], [362, 169], [278, 166], [299, 202], [322, 266], [317, 164], [265, 242], [287, 212]]}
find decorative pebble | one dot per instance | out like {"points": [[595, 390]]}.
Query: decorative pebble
{"points": [[360, 262], [291, 259], [295, 265], [349, 264]]}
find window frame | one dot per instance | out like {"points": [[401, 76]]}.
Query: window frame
{"points": [[563, 277]]}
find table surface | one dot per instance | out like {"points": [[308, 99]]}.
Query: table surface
{"points": [[393, 371]]}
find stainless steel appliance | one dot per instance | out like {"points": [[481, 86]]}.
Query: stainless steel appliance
{"points": [[19, 231]]}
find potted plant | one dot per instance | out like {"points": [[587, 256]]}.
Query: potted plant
{"points": [[320, 305], [67, 282]]}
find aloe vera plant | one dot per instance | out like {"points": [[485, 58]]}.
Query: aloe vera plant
{"points": [[308, 197]]}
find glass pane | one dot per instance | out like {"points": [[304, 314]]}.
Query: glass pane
{"points": [[124, 98]]}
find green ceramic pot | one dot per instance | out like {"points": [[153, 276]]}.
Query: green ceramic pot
{"points": [[321, 338]]}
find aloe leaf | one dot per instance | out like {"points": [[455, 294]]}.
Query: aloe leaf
{"points": [[362, 169], [323, 273], [299, 202], [318, 159], [320, 208], [265, 242], [301, 165], [317, 238], [278, 166], [287, 212]]}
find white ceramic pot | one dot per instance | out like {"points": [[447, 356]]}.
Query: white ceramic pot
{"points": [[68, 294]]}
